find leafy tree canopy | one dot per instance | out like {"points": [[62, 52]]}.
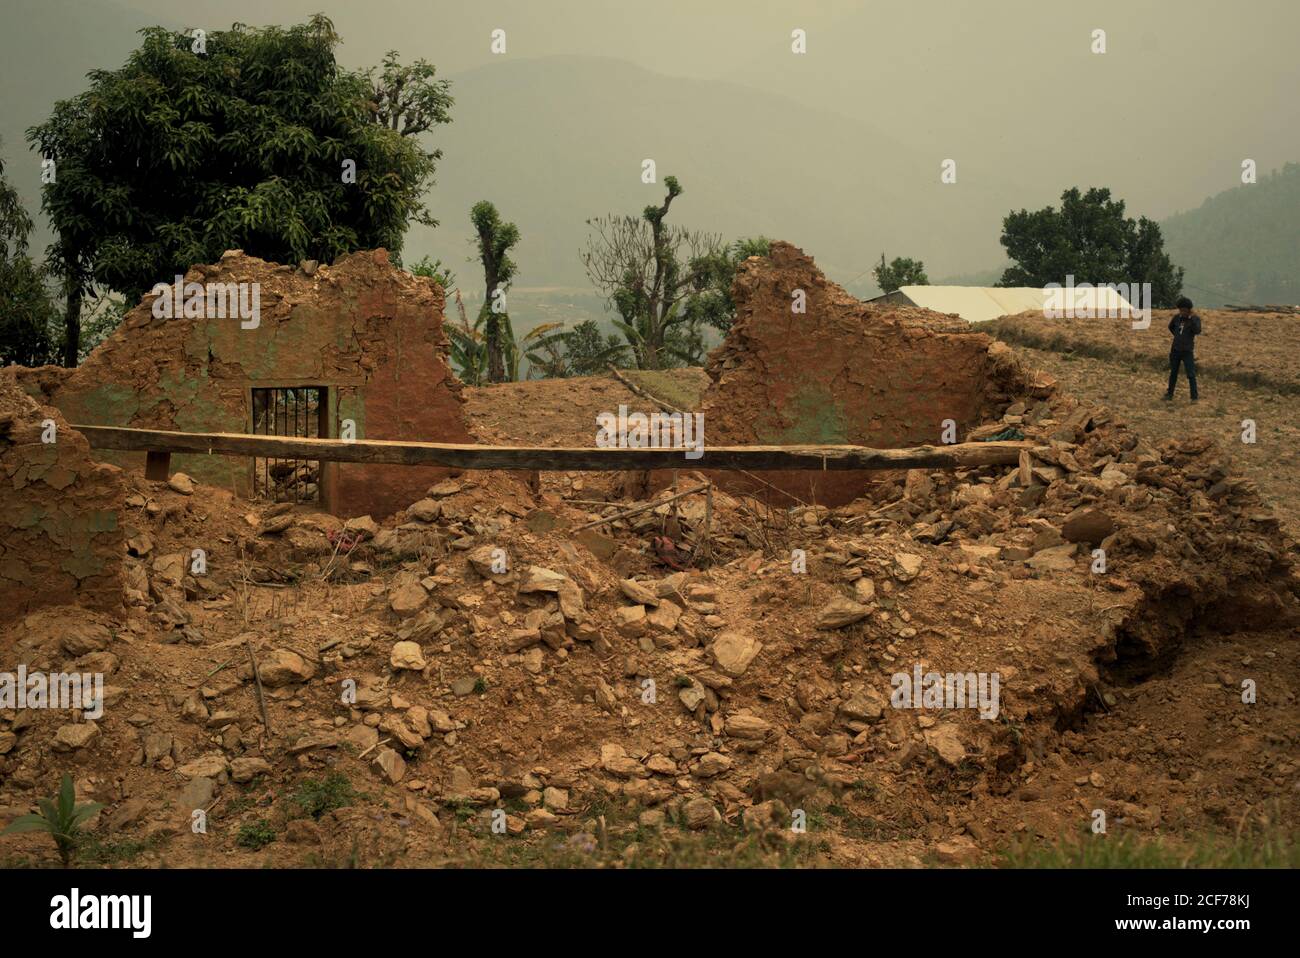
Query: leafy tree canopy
{"points": [[28, 317], [713, 274], [1091, 239], [901, 272], [237, 139]]}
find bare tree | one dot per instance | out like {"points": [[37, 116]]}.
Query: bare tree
{"points": [[647, 269]]}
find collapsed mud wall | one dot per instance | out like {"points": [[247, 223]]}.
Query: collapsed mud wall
{"points": [[61, 541], [842, 371], [368, 331]]}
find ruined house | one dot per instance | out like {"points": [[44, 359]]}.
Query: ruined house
{"points": [[807, 363], [61, 539], [352, 350]]}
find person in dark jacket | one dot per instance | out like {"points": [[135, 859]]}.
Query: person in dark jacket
{"points": [[1185, 326]]}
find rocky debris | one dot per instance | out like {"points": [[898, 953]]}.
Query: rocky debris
{"points": [[699, 813], [247, 768], [1087, 524], [284, 667], [841, 611], [782, 703], [906, 566], [179, 482], [69, 738], [407, 655], [734, 651]]}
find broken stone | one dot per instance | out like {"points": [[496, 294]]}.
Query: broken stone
{"points": [[284, 667], [71, 737], [906, 566], [179, 482], [247, 768], [407, 655], [539, 579], [734, 651], [841, 611], [1087, 524]]}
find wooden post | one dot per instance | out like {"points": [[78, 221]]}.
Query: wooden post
{"points": [[157, 465]]}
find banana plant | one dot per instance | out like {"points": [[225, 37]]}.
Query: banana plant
{"points": [[61, 818]]}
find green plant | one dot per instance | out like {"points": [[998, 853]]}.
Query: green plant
{"points": [[315, 797], [61, 817], [255, 835]]}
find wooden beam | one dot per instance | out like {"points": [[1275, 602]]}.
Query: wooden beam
{"points": [[579, 459]]}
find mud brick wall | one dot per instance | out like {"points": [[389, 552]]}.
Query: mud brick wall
{"points": [[842, 372], [61, 541], [370, 331]]}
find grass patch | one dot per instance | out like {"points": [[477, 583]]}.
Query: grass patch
{"points": [[674, 388], [314, 797], [92, 850], [255, 835], [1275, 849], [645, 848], [1070, 348]]}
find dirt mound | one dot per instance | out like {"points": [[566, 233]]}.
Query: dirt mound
{"points": [[843, 371], [60, 539], [479, 658], [516, 672]]}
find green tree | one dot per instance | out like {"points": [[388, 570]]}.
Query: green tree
{"points": [[647, 270], [589, 352], [28, 316], [1091, 239], [249, 138], [710, 304], [495, 239], [901, 272], [436, 271]]}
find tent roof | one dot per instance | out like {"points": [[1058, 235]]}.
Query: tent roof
{"points": [[979, 304]]}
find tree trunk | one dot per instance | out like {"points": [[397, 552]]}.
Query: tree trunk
{"points": [[496, 360], [72, 328]]}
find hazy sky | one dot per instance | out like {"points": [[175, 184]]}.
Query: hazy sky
{"points": [[1184, 87], [858, 125]]}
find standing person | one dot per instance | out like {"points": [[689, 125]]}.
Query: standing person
{"points": [[1186, 326]]}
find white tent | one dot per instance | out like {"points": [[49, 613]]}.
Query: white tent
{"points": [[979, 304]]}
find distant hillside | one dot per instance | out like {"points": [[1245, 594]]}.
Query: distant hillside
{"points": [[1243, 245]]}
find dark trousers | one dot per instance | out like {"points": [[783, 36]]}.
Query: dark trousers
{"points": [[1188, 361]]}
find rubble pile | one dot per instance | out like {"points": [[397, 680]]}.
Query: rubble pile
{"points": [[505, 665]]}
